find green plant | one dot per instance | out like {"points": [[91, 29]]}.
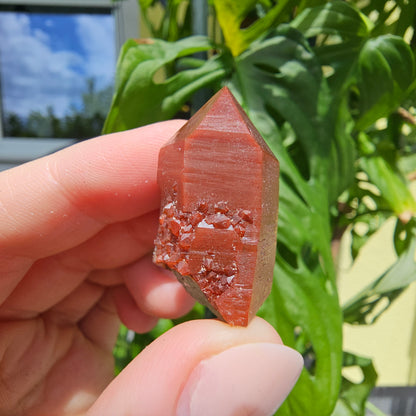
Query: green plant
{"points": [[316, 78]]}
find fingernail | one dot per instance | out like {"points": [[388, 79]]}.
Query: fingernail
{"points": [[249, 379]]}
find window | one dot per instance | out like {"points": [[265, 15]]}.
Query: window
{"points": [[57, 62]]}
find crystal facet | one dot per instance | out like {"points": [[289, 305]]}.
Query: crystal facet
{"points": [[218, 220]]}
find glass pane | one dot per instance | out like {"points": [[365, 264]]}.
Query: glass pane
{"points": [[56, 73]]}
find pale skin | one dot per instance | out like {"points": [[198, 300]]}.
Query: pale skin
{"points": [[76, 236]]}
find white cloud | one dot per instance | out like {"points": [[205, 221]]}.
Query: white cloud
{"points": [[42, 36], [34, 76], [97, 39]]}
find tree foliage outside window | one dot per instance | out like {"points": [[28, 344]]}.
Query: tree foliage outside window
{"points": [[80, 123], [331, 87]]}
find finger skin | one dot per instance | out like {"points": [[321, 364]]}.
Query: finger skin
{"points": [[69, 223], [156, 291], [130, 314], [114, 246], [251, 379], [153, 382], [59, 201]]}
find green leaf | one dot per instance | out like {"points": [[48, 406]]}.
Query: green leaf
{"points": [[367, 306], [353, 396], [380, 190], [395, 19], [386, 71], [231, 15], [364, 227], [339, 61], [283, 79], [140, 98], [390, 183], [145, 4], [280, 84], [347, 29], [333, 18], [381, 69], [407, 164]]}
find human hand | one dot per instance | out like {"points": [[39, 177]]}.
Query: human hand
{"points": [[76, 233]]}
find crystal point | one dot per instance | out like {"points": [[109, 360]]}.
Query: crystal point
{"points": [[219, 201]]}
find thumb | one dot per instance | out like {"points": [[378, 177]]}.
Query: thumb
{"points": [[205, 368]]}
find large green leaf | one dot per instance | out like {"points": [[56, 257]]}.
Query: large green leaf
{"points": [[386, 71], [339, 56], [231, 15], [388, 180], [279, 82], [367, 305], [379, 192], [353, 396], [394, 17], [380, 68], [333, 18], [283, 79], [140, 98]]}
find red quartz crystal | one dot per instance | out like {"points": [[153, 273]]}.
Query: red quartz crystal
{"points": [[218, 220]]}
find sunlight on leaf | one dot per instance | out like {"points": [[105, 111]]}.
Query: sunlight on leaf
{"points": [[336, 17], [232, 14], [387, 61]]}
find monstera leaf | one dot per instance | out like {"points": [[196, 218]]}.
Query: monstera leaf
{"points": [[388, 181], [279, 82], [333, 18], [353, 397], [386, 60], [359, 59], [364, 308], [140, 98], [311, 100], [232, 14]]}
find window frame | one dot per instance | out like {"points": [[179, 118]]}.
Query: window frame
{"points": [[14, 151]]}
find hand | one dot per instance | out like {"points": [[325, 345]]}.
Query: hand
{"points": [[76, 235]]}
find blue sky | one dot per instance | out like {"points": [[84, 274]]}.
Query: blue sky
{"points": [[61, 30], [46, 58]]}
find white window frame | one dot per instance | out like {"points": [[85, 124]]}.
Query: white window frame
{"points": [[14, 151]]}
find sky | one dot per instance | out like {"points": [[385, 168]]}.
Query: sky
{"points": [[45, 59]]}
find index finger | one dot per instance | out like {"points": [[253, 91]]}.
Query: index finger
{"points": [[59, 201]]}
